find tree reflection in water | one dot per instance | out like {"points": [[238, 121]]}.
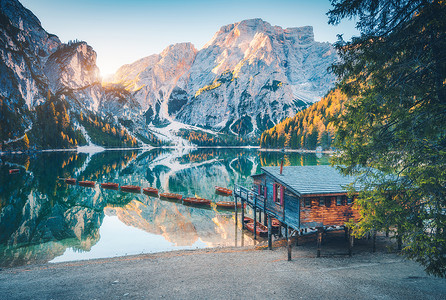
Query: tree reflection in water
{"points": [[41, 216]]}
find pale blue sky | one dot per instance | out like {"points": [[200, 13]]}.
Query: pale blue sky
{"points": [[124, 31]]}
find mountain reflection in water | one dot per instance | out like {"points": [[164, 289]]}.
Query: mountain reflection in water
{"points": [[43, 219]]}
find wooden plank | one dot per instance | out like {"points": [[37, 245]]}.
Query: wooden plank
{"points": [[289, 243]]}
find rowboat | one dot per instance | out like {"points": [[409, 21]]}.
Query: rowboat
{"points": [[222, 190], [197, 201], [110, 185], [275, 224], [131, 188], [150, 191], [228, 204], [261, 229], [171, 196], [13, 171], [87, 183], [70, 180], [248, 220]]}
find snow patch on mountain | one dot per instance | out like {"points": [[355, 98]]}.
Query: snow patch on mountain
{"points": [[249, 76]]}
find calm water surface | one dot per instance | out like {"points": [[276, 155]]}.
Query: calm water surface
{"points": [[42, 219]]}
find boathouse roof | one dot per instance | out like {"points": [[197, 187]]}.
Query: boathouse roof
{"points": [[311, 180]]}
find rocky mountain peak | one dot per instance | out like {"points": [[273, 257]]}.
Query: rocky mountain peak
{"points": [[19, 16], [72, 66], [178, 48]]}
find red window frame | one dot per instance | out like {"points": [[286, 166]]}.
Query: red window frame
{"points": [[278, 193]]}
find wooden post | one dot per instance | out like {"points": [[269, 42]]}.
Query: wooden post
{"points": [[319, 241], [243, 213], [260, 216], [351, 242], [255, 218], [289, 243], [374, 241], [270, 241], [297, 238], [264, 211], [236, 212], [398, 238], [399, 242], [236, 229], [345, 233]]}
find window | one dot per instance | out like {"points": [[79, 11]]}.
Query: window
{"points": [[321, 201], [327, 201], [307, 202], [278, 193], [349, 200], [259, 189], [338, 200]]}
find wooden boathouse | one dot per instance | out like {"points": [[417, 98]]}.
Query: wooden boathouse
{"points": [[302, 198]]}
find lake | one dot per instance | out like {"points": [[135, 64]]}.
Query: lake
{"points": [[43, 219]]}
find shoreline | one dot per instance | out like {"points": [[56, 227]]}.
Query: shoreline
{"points": [[87, 150], [230, 273]]}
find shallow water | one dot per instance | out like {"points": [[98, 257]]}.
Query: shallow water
{"points": [[42, 219]]}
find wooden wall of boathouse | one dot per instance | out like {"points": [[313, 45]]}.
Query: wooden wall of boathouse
{"points": [[306, 211], [326, 211], [290, 211]]}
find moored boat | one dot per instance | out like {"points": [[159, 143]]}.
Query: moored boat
{"points": [[171, 196], [110, 185], [261, 230], [223, 191], [248, 220], [87, 183], [275, 224], [131, 188], [13, 171], [150, 191], [70, 180], [228, 204], [197, 201]]}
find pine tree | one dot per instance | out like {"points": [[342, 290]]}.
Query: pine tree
{"points": [[395, 120]]}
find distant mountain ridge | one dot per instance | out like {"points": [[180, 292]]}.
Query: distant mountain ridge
{"points": [[247, 78], [36, 68]]}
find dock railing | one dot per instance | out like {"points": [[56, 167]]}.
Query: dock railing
{"points": [[258, 202]]}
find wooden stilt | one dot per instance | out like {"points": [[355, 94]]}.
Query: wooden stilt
{"points": [[289, 242], [235, 198], [351, 242], [387, 232], [243, 213], [399, 242], [264, 212], [319, 241], [270, 240], [346, 233], [297, 238], [374, 241], [255, 221]]}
